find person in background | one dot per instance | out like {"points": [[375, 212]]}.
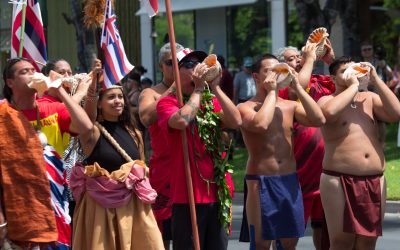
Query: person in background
{"points": [[226, 79], [244, 85], [159, 163], [308, 144], [146, 83], [377, 58]]}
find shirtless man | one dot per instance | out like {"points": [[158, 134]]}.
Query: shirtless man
{"points": [[159, 165], [308, 144], [267, 132], [353, 189]]}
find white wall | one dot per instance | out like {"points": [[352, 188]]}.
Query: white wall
{"points": [[278, 24], [146, 42]]}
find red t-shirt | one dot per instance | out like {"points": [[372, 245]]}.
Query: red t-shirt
{"points": [[47, 99], [308, 144], [166, 107], [55, 121], [160, 171]]}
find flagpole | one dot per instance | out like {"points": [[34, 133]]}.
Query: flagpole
{"points": [[21, 40], [189, 183]]}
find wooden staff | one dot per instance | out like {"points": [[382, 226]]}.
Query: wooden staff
{"points": [[189, 184]]}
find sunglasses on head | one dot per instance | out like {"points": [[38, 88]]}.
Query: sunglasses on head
{"points": [[189, 64]]}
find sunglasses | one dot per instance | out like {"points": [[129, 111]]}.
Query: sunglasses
{"points": [[189, 64], [367, 49], [168, 62]]}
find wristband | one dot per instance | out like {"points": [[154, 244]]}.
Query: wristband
{"points": [[3, 225], [91, 98]]}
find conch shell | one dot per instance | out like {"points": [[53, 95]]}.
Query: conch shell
{"points": [[360, 70], [284, 77], [319, 37], [42, 83], [214, 68]]}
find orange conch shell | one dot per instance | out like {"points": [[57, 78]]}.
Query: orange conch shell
{"points": [[214, 67], [358, 69], [319, 37], [284, 77]]}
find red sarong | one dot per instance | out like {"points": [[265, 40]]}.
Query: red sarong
{"points": [[362, 212]]}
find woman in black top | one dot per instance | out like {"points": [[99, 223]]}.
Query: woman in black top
{"points": [[108, 214]]}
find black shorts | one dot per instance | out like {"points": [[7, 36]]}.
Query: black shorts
{"points": [[167, 230], [212, 235]]}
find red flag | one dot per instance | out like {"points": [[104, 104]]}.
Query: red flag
{"points": [[151, 7], [34, 42]]}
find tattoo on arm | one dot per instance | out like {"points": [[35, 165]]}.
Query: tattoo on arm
{"points": [[191, 115], [184, 117]]}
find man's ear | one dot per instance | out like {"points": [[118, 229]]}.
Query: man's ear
{"points": [[255, 77], [9, 83], [333, 77]]}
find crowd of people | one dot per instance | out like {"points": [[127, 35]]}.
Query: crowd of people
{"points": [[73, 162]]}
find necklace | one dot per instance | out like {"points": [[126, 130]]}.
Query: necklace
{"points": [[165, 85], [353, 104], [37, 127], [41, 135]]}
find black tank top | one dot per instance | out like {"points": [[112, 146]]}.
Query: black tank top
{"points": [[105, 154]]}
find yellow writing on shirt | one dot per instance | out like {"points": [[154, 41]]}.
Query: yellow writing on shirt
{"points": [[50, 127]]}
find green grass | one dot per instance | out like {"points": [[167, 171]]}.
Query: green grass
{"points": [[239, 167], [392, 154], [392, 173]]}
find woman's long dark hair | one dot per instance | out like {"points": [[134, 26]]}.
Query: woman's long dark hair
{"points": [[128, 121]]}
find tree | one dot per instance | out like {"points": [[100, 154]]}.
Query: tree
{"points": [[352, 13], [86, 43]]}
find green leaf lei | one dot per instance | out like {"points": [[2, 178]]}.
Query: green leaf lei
{"points": [[210, 132]]}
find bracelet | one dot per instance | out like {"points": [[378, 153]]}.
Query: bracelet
{"points": [[91, 98], [198, 90], [4, 224]]}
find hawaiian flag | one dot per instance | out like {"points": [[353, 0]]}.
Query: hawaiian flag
{"points": [[151, 7], [34, 42], [116, 65]]}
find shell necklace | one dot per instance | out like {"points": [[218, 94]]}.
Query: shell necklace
{"points": [[353, 104]]}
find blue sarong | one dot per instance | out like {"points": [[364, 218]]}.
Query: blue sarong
{"points": [[282, 211]]}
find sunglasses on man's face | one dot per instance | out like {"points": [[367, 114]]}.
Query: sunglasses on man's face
{"points": [[189, 64], [366, 49], [168, 62]]}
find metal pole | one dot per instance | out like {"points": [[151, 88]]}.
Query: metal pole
{"points": [[189, 184], [21, 38]]}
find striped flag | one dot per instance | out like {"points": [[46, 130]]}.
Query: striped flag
{"points": [[34, 42], [116, 65], [151, 7]]}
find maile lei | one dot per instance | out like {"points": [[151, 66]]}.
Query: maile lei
{"points": [[210, 133]]}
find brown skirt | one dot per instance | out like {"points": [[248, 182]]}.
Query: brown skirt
{"points": [[132, 226]]}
